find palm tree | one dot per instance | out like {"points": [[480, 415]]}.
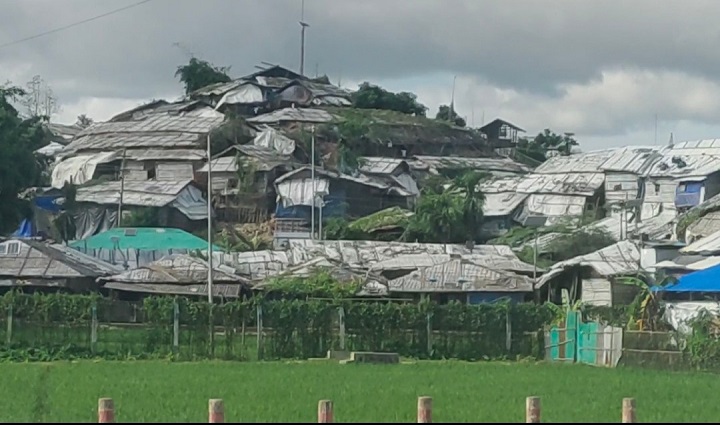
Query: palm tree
{"points": [[472, 213]]}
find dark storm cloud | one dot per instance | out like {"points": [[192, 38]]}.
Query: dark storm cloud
{"points": [[527, 45]]}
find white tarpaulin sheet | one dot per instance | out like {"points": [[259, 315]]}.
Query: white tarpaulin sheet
{"points": [[273, 139], [245, 94], [300, 191], [79, 169], [680, 314]]}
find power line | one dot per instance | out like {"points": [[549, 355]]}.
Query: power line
{"points": [[12, 43]]}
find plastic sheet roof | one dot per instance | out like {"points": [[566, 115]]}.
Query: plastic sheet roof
{"points": [[586, 162], [622, 258], [176, 269], [707, 280], [675, 164], [457, 275], [36, 259]]}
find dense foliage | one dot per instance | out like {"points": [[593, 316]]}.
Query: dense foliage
{"points": [[19, 169], [369, 96], [445, 113], [199, 73], [546, 141], [47, 327]]}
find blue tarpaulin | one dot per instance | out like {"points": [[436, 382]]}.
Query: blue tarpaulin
{"points": [[707, 280], [25, 230]]}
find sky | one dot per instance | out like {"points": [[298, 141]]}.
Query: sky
{"points": [[612, 72]]}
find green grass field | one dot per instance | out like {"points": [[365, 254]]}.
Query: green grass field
{"points": [[285, 392]]}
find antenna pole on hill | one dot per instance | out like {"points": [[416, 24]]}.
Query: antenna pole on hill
{"points": [[303, 25], [209, 222]]}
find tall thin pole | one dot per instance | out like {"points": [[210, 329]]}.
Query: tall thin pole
{"points": [[209, 222], [122, 188], [303, 25], [452, 102], [656, 122], [312, 177]]}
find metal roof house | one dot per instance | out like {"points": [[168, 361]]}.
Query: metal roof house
{"points": [[686, 175], [501, 134], [34, 264], [593, 278], [178, 204], [156, 141]]}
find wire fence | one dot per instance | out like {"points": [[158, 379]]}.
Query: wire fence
{"points": [[62, 326]]}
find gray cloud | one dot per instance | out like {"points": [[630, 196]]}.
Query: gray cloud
{"points": [[531, 48]]}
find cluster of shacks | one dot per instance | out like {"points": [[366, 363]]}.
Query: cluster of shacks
{"points": [[263, 129]]}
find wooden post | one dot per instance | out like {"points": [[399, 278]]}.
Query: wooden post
{"points": [[8, 336], [341, 321], [106, 411], [325, 412], [428, 325], [628, 411], [216, 411], [424, 410], [176, 327], [532, 410], [93, 330], [259, 332]]}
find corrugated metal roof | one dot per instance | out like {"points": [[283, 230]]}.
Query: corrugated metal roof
{"points": [[622, 258], [587, 162], [41, 260], [704, 226], [709, 245], [675, 164], [458, 275], [184, 196], [631, 159], [555, 207], [585, 184], [293, 115], [159, 130], [698, 147]]}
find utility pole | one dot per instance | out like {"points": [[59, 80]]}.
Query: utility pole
{"points": [[122, 188], [303, 25], [209, 223], [312, 177]]}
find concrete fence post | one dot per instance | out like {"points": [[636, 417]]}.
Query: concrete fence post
{"points": [[628, 411], [424, 410], [106, 411], [532, 410], [216, 411], [325, 412]]}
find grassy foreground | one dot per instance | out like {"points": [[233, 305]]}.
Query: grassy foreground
{"points": [[285, 392]]}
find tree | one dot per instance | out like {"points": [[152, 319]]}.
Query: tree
{"points": [[444, 113], [472, 201], [199, 73], [544, 142], [84, 121], [370, 96], [19, 170], [39, 99]]}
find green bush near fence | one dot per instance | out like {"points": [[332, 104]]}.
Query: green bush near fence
{"points": [[58, 326]]}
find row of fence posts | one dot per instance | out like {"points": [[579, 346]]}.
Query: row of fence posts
{"points": [[216, 411]]}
